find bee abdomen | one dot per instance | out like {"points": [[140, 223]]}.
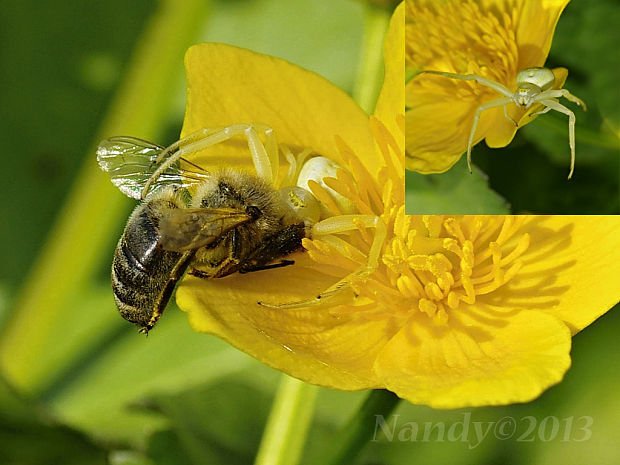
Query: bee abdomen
{"points": [[143, 274], [131, 281]]}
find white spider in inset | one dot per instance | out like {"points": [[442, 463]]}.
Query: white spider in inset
{"points": [[534, 85]]}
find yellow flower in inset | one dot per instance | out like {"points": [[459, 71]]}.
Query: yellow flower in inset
{"points": [[455, 311], [494, 39]]}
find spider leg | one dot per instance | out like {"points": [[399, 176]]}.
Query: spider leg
{"points": [[264, 156], [557, 93], [509, 117], [294, 164], [335, 225], [502, 101], [541, 112], [557, 106], [474, 77]]}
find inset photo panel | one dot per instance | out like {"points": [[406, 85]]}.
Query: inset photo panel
{"points": [[512, 107]]}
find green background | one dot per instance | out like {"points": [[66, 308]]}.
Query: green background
{"points": [[100, 393]]}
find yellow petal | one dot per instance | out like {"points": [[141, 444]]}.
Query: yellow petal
{"points": [[571, 269], [535, 29], [502, 131], [308, 343], [391, 100], [229, 85], [437, 131], [485, 356]]}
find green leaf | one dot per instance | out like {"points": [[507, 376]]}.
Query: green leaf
{"points": [[453, 192], [525, 173], [286, 28], [29, 437], [219, 423], [93, 392]]}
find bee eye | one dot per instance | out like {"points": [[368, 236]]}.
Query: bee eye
{"points": [[253, 211]]}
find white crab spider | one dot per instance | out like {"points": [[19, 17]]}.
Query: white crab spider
{"points": [[534, 85], [265, 157]]}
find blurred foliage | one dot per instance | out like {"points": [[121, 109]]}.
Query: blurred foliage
{"points": [[456, 191], [382, 3], [530, 173], [58, 77], [28, 436], [103, 394], [588, 390]]}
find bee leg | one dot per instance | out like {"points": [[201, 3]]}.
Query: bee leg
{"points": [[283, 243], [230, 264], [199, 273], [220, 266], [227, 266], [280, 264]]}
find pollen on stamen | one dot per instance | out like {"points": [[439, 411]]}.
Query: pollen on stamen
{"points": [[351, 252], [468, 30], [463, 259]]}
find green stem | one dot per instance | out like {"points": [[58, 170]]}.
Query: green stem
{"points": [[291, 413], [370, 71], [362, 427], [288, 423], [81, 237]]}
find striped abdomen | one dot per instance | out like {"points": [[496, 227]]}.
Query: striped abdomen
{"points": [[143, 274]]}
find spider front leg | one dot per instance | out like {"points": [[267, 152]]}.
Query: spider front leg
{"points": [[337, 225], [557, 93], [502, 89], [557, 106], [547, 98], [541, 112], [264, 156]]}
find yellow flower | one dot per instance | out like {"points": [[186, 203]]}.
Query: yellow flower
{"points": [[492, 38], [493, 302], [228, 85], [457, 311]]}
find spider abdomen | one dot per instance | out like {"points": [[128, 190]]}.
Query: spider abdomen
{"points": [[542, 78]]}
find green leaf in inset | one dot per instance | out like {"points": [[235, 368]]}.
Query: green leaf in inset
{"points": [[453, 192]]}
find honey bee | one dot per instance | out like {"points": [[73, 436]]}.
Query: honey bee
{"points": [[224, 222]]}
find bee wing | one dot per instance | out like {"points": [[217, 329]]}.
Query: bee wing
{"points": [[131, 162], [189, 229]]}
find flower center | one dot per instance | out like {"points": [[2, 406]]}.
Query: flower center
{"points": [[480, 41], [438, 262], [430, 264]]}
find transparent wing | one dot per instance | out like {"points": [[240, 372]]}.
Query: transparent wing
{"points": [[130, 162], [189, 229]]}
